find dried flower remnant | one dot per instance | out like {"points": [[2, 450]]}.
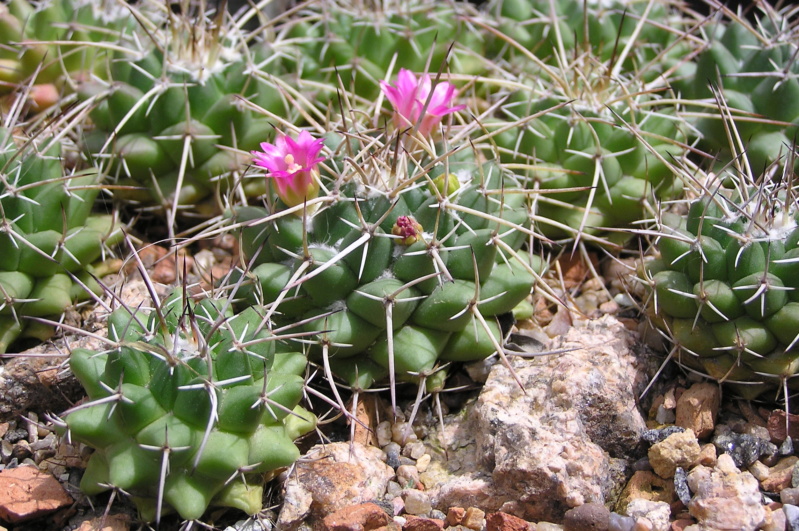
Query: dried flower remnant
{"points": [[410, 95], [292, 166]]}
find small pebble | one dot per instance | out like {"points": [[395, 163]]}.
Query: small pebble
{"points": [[383, 432], [795, 476], [437, 515], [786, 448], [33, 428], [392, 451], [655, 436], [790, 496], [414, 450], [402, 433], [423, 462], [393, 490], [16, 435], [759, 470], [22, 450], [455, 516], [791, 516], [407, 476], [618, 522], [474, 518], [744, 449], [681, 485], [416, 502], [587, 517], [548, 526]]}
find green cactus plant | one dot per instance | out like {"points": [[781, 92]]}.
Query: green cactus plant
{"points": [[724, 287], [636, 35], [174, 118], [49, 238], [340, 46], [391, 276], [58, 42], [601, 148], [190, 407], [746, 75]]}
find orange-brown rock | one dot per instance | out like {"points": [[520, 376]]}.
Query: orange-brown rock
{"points": [[417, 523], [698, 407], [776, 426], [26, 494], [505, 522], [363, 517], [455, 516]]}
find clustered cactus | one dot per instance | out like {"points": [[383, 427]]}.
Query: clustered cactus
{"points": [[746, 73], [393, 171], [393, 281], [57, 43], [49, 236], [725, 285], [174, 118], [190, 406]]}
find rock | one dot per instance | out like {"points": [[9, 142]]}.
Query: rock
{"points": [[658, 513], [414, 450], [725, 497], [776, 426], [681, 524], [676, 450], [474, 518], [790, 495], [455, 516], [791, 516], [744, 448], [361, 517], [646, 485], [618, 522], [562, 441], [26, 494], [661, 434], [681, 486], [423, 462], [416, 502], [415, 523], [587, 517], [408, 476], [707, 455], [392, 451], [698, 407], [775, 518], [111, 522], [331, 477], [500, 521], [780, 475]]}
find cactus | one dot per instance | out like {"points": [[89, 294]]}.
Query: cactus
{"points": [[389, 276], [746, 75], [340, 46], [600, 148], [189, 407], [175, 118], [636, 35], [724, 288], [49, 237], [58, 42]]}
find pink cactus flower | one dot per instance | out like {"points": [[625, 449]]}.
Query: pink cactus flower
{"points": [[410, 95], [292, 165]]}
